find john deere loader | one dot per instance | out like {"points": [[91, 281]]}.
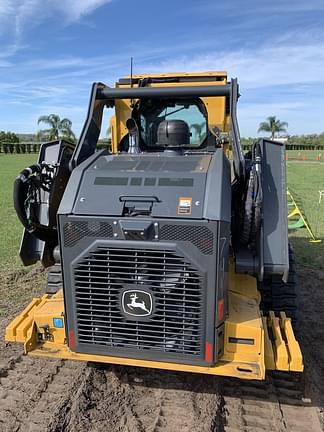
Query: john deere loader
{"points": [[169, 250]]}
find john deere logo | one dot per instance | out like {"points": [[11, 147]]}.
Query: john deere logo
{"points": [[137, 303]]}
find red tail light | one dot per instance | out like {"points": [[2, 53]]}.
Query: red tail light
{"points": [[220, 309], [72, 339], [208, 352]]}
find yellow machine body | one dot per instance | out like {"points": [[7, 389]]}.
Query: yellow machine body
{"points": [[252, 343]]}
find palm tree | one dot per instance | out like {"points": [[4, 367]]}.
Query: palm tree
{"points": [[198, 128], [273, 126], [59, 129]]}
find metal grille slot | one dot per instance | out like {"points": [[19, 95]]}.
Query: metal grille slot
{"points": [[200, 236], [75, 231], [176, 324]]}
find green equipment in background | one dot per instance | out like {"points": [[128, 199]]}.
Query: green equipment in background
{"points": [[297, 217]]}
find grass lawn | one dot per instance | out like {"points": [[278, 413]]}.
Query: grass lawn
{"points": [[304, 178], [308, 154], [10, 227]]}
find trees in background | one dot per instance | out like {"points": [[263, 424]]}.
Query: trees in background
{"points": [[315, 140], [8, 140], [11, 142], [273, 126], [8, 137], [58, 128]]}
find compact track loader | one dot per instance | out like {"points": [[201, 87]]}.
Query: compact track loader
{"points": [[171, 250]]}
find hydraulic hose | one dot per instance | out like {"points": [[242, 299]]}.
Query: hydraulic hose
{"points": [[252, 211], [257, 204], [21, 191]]}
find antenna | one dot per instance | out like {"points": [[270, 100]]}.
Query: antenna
{"points": [[131, 80], [131, 72]]}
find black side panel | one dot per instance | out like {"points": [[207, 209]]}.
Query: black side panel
{"points": [[276, 258], [217, 204]]}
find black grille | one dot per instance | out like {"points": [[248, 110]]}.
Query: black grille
{"points": [[75, 231], [176, 286], [200, 236]]}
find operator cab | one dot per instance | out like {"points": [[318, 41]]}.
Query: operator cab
{"points": [[164, 125]]}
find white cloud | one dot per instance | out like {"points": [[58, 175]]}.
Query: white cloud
{"points": [[54, 63], [23, 13], [286, 76], [75, 9], [6, 7], [283, 62], [258, 67]]}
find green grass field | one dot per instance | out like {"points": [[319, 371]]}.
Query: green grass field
{"points": [[304, 178], [10, 228], [309, 154]]}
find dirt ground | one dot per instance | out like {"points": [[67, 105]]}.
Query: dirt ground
{"points": [[56, 395]]}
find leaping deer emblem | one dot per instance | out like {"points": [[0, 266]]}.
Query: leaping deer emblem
{"points": [[134, 304]]}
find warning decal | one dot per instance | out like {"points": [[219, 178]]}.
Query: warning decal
{"points": [[185, 204]]}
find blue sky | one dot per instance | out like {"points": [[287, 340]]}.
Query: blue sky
{"points": [[52, 50]]}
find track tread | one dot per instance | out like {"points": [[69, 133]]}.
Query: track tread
{"points": [[32, 391], [276, 404], [278, 296]]}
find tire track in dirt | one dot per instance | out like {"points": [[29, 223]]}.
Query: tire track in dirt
{"points": [[32, 392], [106, 402], [312, 334], [142, 400], [189, 403], [276, 404], [56, 395]]}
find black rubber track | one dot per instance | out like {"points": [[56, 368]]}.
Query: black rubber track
{"points": [[54, 279], [277, 295]]}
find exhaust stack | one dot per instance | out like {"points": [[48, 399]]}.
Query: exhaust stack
{"points": [[133, 136]]}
